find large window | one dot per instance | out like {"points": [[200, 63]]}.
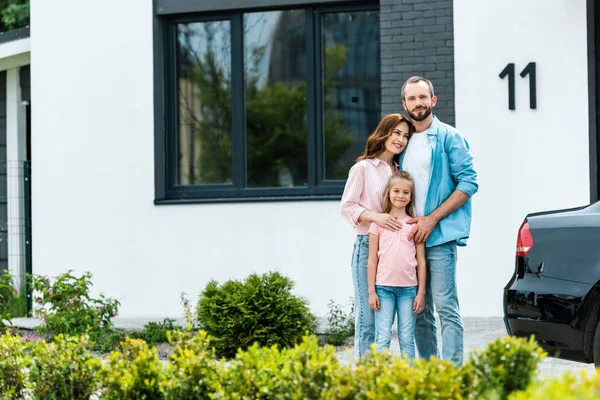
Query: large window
{"points": [[268, 105]]}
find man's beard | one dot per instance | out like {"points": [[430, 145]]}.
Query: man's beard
{"points": [[423, 117]]}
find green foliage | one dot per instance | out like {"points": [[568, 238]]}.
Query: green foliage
{"points": [[155, 332], [14, 360], [380, 375], [15, 14], [64, 369], [340, 324], [508, 364], [261, 309], [133, 373], [306, 371], [8, 297], [566, 388], [193, 372], [65, 306]]}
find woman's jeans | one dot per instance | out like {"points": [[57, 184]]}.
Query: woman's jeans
{"points": [[396, 301], [441, 292], [364, 333]]}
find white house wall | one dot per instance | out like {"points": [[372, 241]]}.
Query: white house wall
{"points": [[93, 161], [527, 160]]}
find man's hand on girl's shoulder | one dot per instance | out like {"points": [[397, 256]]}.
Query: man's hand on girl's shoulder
{"points": [[424, 226]]}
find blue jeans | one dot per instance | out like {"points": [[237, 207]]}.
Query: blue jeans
{"points": [[441, 292], [364, 333], [396, 300]]}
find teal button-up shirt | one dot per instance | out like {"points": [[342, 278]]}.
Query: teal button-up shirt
{"points": [[451, 169]]}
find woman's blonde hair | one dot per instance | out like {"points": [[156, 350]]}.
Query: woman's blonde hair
{"points": [[376, 142], [399, 176]]}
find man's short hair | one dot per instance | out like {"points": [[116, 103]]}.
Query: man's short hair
{"points": [[417, 79]]}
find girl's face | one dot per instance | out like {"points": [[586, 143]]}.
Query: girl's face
{"points": [[400, 193], [397, 141]]}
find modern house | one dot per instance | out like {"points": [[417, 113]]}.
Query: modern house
{"points": [[15, 153], [178, 141]]}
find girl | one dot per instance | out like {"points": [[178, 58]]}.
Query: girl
{"points": [[361, 205], [396, 265]]}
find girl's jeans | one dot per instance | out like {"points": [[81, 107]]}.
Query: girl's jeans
{"points": [[364, 333], [396, 301]]}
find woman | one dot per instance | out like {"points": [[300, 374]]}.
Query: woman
{"points": [[361, 205]]}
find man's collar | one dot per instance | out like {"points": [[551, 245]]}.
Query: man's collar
{"points": [[433, 128]]}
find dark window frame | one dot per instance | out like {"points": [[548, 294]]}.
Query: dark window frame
{"points": [[166, 103]]}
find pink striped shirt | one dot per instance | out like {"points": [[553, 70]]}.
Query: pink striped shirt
{"points": [[364, 191]]}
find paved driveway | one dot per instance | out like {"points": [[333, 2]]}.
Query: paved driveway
{"points": [[480, 331]]}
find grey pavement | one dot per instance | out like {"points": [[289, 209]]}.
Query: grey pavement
{"points": [[478, 333]]}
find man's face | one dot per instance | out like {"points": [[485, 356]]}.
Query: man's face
{"points": [[418, 101]]}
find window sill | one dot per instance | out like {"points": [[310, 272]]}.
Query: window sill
{"points": [[253, 199]]}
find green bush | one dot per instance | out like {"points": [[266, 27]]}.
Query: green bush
{"points": [[566, 388], [340, 324], [193, 371], [64, 369], [14, 362], [261, 309], [380, 375], [508, 364], [155, 332], [8, 298], [65, 306], [133, 373], [306, 371]]}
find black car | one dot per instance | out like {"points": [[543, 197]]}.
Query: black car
{"points": [[554, 293]]}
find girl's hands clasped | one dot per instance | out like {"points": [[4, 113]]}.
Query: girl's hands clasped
{"points": [[388, 222], [374, 301], [419, 303]]}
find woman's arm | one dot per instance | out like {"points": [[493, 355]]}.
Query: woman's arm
{"points": [[351, 208], [353, 211], [372, 270]]}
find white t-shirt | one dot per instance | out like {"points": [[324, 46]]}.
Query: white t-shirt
{"points": [[417, 162]]}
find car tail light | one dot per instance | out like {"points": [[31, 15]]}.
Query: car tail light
{"points": [[524, 239]]}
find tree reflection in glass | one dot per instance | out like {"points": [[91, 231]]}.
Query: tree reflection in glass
{"points": [[204, 92]]}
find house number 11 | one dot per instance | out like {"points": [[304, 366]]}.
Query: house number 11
{"points": [[510, 71]]}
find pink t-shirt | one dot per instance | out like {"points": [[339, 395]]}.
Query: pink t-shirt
{"points": [[397, 256]]}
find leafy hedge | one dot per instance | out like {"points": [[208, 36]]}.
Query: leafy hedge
{"points": [[65, 369]]}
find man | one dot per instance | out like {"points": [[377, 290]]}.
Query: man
{"points": [[440, 162]]}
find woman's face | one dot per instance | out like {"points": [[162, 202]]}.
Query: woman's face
{"points": [[398, 140]]}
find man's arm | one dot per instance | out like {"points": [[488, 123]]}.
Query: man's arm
{"points": [[461, 167], [426, 224]]}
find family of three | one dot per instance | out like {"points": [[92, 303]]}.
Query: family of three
{"points": [[408, 197]]}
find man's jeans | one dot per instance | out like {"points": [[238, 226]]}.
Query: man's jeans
{"points": [[364, 333], [441, 291], [395, 300]]}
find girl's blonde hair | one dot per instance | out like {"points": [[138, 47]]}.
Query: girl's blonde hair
{"points": [[399, 176], [376, 142]]}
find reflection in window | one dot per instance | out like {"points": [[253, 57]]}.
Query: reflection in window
{"points": [[275, 81], [204, 94], [351, 86]]}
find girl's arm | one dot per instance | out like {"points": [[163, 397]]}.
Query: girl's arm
{"points": [[372, 270], [419, 303]]}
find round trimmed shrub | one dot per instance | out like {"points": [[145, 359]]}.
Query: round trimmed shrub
{"points": [[261, 309]]}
